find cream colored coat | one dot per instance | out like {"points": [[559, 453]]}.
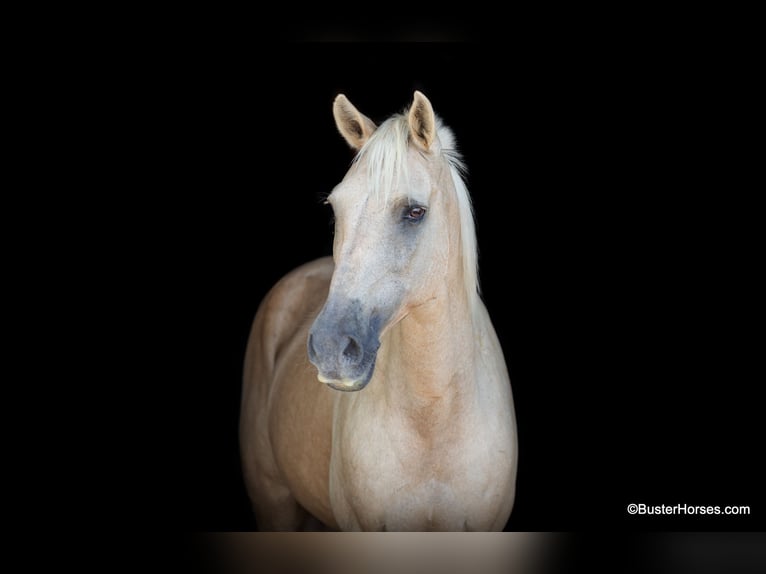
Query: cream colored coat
{"points": [[425, 439]]}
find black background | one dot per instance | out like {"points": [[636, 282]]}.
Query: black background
{"points": [[616, 235]]}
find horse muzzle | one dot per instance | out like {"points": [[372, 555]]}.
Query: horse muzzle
{"points": [[343, 349]]}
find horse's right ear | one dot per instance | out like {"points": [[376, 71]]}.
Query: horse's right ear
{"points": [[355, 127]]}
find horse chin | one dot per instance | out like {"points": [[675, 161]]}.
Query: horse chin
{"points": [[349, 384]]}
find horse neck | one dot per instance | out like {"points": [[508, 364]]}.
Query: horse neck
{"points": [[430, 364]]}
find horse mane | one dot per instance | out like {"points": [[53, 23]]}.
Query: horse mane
{"points": [[386, 155]]}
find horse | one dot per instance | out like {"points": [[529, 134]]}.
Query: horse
{"points": [[375, 393]]}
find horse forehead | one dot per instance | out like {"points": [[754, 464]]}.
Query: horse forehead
{"points": [[413, 182]]}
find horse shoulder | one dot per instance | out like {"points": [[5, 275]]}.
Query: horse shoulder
{"points": [[286, 411]]}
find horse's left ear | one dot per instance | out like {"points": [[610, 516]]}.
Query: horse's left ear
{"points": [[422, 121]]}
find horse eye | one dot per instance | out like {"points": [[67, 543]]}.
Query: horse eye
{"points": [[415, 213]]}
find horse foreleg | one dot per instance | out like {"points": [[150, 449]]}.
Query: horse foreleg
{"points": [[276, 509]]}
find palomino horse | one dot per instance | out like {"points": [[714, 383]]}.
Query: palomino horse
{"points": [[375, 395]]}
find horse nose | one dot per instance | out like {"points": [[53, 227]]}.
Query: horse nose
{"points": [[342, 344], [342, 350]]}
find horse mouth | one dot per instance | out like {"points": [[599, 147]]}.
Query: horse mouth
{"points": [[347, 384]]}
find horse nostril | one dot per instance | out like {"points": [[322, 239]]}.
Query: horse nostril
{"points": [[352, 351], [312, 350]]}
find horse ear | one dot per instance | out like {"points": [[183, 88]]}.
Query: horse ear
{"points": [[355, 127], [422, 121]]}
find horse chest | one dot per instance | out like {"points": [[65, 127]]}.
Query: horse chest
{"points": [[403, 480]]}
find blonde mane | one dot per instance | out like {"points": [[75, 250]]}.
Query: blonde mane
{"points": [[386, 158]]}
